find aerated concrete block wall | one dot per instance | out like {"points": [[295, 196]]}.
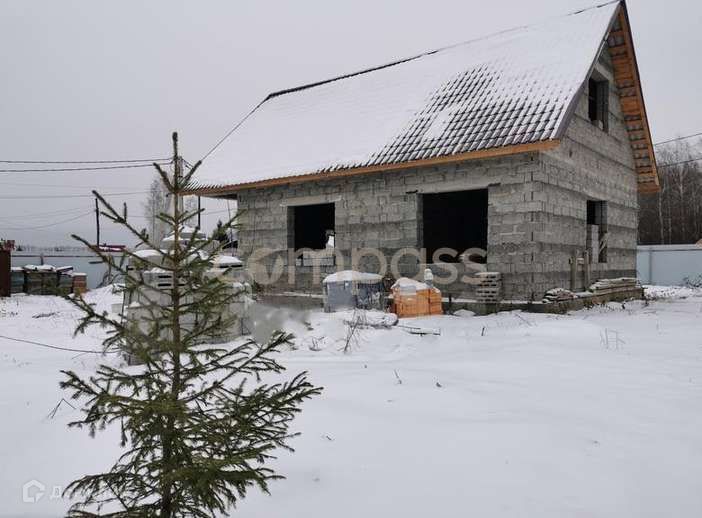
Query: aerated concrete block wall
{"points": [[590, 164], [537, 206], [383, 211]]}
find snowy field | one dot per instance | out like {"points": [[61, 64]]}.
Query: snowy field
{"points": [[593, 414]]}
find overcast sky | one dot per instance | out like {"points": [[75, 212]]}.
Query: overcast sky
{"points": [[96, 80]]}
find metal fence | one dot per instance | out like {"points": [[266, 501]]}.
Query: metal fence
{"points": [[669, 265]]}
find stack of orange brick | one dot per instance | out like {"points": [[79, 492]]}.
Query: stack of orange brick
{"points": [[414, 299], [80, 283]]}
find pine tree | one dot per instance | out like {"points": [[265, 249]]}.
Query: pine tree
{"points": [[199, 422]]}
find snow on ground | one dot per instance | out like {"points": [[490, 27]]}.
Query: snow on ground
{"points": [[591, 414]]}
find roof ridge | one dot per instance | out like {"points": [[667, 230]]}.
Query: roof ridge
{"points": [[313, 84], [345, 76]]}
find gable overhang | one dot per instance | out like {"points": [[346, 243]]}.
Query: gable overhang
{"points": [[533, 147], [628, 82]]}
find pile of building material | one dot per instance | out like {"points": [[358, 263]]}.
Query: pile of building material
{"points": [[559, 295], [350, 289], [38, 279], [489, 287], [412, 298], [605, 286], [16, 279], [45, 279], [148, 268], [80, 283]]}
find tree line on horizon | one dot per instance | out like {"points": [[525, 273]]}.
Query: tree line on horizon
{"points": [[674, 214]]}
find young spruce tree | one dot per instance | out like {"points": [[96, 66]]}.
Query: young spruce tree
{"points": [[198, 421]]}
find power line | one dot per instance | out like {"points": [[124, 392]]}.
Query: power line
{"points": [[69, 349], [42, 184], [64, 169], [55, 212], [44, 215], [150, 160], [54, 185], [61, 196], [681, 162], [49, 224], [678, 138], [236, 127]]}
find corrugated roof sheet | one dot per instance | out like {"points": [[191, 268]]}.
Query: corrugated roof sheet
{"points": [[513, 87]]}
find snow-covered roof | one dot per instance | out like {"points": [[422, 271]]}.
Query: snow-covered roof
{"points": [[352, 276], [146, 253], [226, 261], [407, 284], [185, 234], [39, 267], [513, 87]]}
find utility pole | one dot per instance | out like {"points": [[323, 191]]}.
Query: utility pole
{"points": [[177, 171], [97, 223], [199, 209]]}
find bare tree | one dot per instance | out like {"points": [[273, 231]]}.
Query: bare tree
{"points": [[672, 216], [158, 201]]}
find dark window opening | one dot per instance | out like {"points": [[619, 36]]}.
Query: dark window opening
{"points": [[597, 231], [598, 103], [312, 226], [456, 220]]}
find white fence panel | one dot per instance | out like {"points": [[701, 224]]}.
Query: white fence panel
{"points": [[669, 265]]}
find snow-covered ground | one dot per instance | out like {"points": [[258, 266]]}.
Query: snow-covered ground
{"points": [[596, 413]]}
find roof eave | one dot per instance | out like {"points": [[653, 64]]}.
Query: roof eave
{"points": [[215, 191]]}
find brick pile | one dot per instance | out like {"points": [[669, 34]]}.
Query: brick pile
{"points": [[489, 289]]}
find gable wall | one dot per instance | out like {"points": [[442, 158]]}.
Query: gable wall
{"points": [[589, 164]]}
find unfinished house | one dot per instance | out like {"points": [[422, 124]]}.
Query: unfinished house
{"points": [[523, 151]]}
